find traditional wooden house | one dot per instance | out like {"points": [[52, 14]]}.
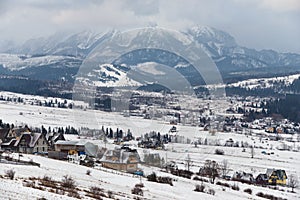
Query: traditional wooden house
{"points": [[16, 133], [30, 142], [69, 146], [121, 159], [276, 176], [78, 147], [52, 138], [262, 179], [243, 177]]}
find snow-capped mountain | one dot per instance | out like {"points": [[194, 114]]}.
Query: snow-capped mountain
{"points": [[229, 56], [66, 52], [79, 44], [37, 67], [17, 62]]}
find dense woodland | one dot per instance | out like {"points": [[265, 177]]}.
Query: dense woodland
{"points": [[288, 107]]}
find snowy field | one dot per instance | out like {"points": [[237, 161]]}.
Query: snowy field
{"points": [[115, 181], [123, 183]]}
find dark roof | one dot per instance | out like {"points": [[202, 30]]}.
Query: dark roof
{"points": [[9, 144], [19, 131], [262, 177], [280, 173], [3, 133], [30, 138]]}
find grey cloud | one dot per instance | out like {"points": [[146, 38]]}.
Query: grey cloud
{"points": [[252, 23], [145, 7]]}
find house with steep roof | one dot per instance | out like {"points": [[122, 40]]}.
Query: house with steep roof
{"points": [[52, 138], [243, 177], [15, 133], [78, 147], [262, 179], [29, 142], [121, 159], [276, 176]]}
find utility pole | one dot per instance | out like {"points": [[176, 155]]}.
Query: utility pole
{"points": [[252, 151]]}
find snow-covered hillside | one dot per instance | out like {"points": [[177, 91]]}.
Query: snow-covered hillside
{"points": [[18, 62], [265, 82], [106, 75], [78, 44], [119, 183]]}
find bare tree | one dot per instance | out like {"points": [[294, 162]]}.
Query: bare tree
{"points": [[225, 167], [293, 181], [210, 169]]}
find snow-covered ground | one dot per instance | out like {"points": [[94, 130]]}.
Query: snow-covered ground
{"points": [[182, 189], [115, 181], [265, 82]]}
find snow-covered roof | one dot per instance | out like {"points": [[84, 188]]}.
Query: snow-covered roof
{"points": [[89, 148], [121, 156], [68, 142], [10, 143], [30, 138]]}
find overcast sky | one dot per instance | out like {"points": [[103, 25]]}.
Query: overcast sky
{"points": [[260, 24]]}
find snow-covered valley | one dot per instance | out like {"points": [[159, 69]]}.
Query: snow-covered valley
{"points": [[122, 183]]}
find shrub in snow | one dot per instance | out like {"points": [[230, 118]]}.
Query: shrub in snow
{"points": [[199, 188], [152, 177], [269, 196], [137, 191], [219, 152], [110, 194], [68, 182], [48, 182], [10, 174], [88, 172], [197, 178], [223, 184], [260, 194], [74, 194], [160, 179], [47, 178], [96, 192], [166, 180], [140, 185], [235, 187], [211, 191], [248, 190]]}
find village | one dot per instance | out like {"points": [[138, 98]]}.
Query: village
{"points": [[175, 139], [122, 151]]}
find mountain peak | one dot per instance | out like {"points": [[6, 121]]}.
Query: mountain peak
{"points": [[205, 34]]}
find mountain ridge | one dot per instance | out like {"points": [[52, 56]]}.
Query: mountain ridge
{"points": [[68, 51]]}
